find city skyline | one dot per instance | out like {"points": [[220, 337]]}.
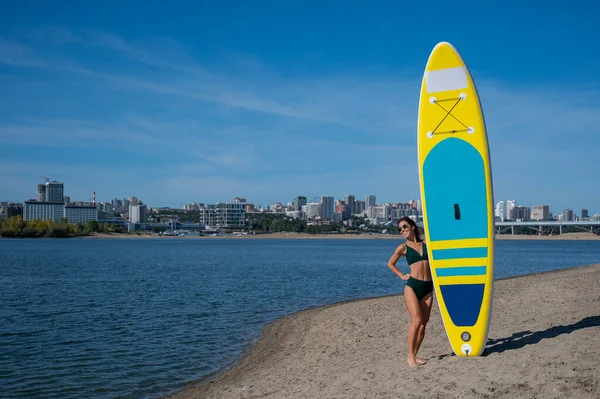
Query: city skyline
{"points": [[218, 101], [501, 206], [52, 203]]}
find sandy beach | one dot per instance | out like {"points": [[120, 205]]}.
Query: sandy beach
{"points": [[306, 236], [544, 342]]}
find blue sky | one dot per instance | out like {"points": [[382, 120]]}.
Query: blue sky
{"points": [[204, 101]]}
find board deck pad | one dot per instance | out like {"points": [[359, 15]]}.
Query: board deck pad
{"points": [[456, 193]]}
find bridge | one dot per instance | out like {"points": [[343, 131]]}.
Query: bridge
{"points": [[545, 227], [540, 227]]}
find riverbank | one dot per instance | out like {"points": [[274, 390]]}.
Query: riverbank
{"points": [[544, 341], [306, 236]]}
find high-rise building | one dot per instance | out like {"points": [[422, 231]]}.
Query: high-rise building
{"points": [[80, 213], [52, 191], [327, 208], [520, 213], [381, 212], [312, 209], [360, 207], [350, 201], [231, 215], [117, 204], [401, 210], [54, 205], [43, 210], [403, 206], [208, 216], [138, 213], [499, 211], [540, 212], [299, 202], [585, 214], [11, 209], [55, 191], [370, 201], [41, 192], [567, 215], [224, 214], [510, 204], [343, 210]]}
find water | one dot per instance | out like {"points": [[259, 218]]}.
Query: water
{"points": [[137, 318]]}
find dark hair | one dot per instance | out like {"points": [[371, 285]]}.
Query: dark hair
{"points": [[413, 224]]}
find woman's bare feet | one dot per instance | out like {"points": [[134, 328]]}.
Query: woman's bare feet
{"points": [[412, 362], [420, 361]]}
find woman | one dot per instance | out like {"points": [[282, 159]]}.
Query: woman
{"points": [[418, 293]]}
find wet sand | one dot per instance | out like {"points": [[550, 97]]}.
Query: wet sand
{"points": [[544, 342]]}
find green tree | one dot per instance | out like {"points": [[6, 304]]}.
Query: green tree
{"points": [[92, 226], [16, 223], [16, 227]]}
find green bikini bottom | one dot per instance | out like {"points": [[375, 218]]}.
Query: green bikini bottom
{"points": [[421, 288]]}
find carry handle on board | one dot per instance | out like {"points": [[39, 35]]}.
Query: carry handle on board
{"points": [[456, 212]]}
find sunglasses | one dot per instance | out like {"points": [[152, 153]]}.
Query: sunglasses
{"points": [[404, 227]]}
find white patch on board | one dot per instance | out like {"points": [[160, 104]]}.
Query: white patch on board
{"points": [[466, 349], [447, 79]]}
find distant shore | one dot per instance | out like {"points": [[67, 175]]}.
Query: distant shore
{"points": [[373, 236], [544, 342], [306, 236]]}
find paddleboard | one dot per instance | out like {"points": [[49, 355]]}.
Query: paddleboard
{"points": [[456, 193]]}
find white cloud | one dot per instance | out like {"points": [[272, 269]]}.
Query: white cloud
{"points": [[69, 133], [355, 129], [15, 54]]}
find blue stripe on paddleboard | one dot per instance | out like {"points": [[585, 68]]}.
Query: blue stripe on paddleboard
{"points": [[460, 271], [454, 174], [456, 253], [463, 302]]}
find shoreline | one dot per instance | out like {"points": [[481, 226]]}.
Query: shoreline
{"points": [[306, 236], [320, 351]]}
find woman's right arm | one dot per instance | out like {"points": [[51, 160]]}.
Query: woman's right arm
{"points": [[392, 262]]}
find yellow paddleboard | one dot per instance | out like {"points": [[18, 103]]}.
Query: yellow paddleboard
{"points": [[456, 193]]}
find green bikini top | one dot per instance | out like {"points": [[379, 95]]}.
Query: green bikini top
{"points": [[413, 256]]}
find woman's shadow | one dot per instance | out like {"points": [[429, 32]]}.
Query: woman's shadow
{"points": [[524, 338]]}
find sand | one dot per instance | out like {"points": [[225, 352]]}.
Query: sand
{"points": [[544, 342]]}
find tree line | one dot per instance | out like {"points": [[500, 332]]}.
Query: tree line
{"points": [[272, 223], [16, 227]]}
